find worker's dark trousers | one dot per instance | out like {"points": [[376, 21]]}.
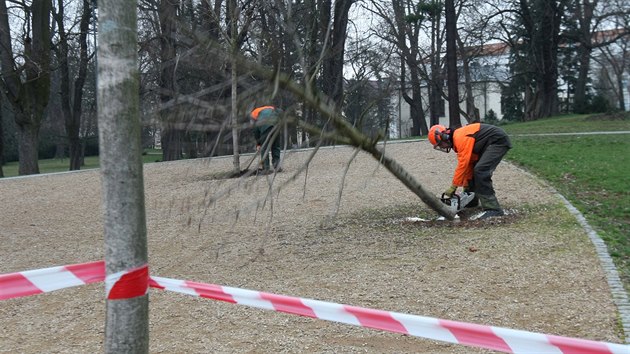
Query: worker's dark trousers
{"points": [[482, 176], [273, 147]]}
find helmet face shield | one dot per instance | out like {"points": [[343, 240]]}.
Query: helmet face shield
{"points": [[443, 146]]}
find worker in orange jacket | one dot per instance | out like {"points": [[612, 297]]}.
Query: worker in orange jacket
{"points": [[479, 147], [264, 119]]}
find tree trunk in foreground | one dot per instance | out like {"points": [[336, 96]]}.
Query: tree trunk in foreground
{"points": [[127, 328]]}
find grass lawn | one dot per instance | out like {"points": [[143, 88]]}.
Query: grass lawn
{"points": [[592, 171], [571, 124], [61, 165]]}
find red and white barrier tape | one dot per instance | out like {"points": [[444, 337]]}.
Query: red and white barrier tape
{"points": [[122, 285], [501, 339], [128, 284], [33, 282], [133, 283]]}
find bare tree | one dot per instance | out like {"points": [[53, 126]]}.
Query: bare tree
{"points": [[540, 21], [72, 95], [451, 64], [236, 35], [171, 135], [475, 28], [126, 329], [404, 30], [332, 72], [617, 58], [26, 81], [586, 22]]}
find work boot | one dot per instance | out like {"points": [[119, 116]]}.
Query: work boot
{"points": [[490, 213], [490, 205]]}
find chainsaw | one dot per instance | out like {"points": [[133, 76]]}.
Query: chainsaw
{"points": [[457, 202]]}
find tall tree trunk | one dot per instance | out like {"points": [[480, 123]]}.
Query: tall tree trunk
{"points": [[620, 95], [28, 137], [542, 22], [580, 103], [416, 111], [1, 138], [233, 14], [435, 84], [29, 98], [311, 67], [451, 64], [171, 136], [472, 113], [419, 123], [584, 13], [76, 151], [333, 63], [407, 40], [127, 326], [72, 106]]}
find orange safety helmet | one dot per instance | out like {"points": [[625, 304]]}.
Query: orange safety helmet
{"points": [[439, 137]]}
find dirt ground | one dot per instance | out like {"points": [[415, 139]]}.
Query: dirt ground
{"points": [[533, 270]]}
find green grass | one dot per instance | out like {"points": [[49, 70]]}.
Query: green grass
{"points": [[591, 171], [571, 124], [10, 169]]}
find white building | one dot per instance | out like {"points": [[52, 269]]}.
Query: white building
{"points": [[487, 70]]}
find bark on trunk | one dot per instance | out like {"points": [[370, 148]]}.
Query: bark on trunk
{"points": [[435, 85], [171, 136], [234, 94], [126, 329], [622, 102], [333, 64], [580, 104], [472, 112], [171, 141], [29, 98], [451, 63], [1, 140], [28, 143]]}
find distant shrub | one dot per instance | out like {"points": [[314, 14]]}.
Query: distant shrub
{"points": [[491, 117]]}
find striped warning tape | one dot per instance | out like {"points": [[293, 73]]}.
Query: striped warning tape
{"points": [[135, 281], [128, 284], [480, 336], [121, 285], [33, 282]]}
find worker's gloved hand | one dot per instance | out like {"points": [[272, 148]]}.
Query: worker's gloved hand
{"points": [[450, 191]]}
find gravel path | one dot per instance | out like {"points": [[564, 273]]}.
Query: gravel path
{"points": [[534, 270]]}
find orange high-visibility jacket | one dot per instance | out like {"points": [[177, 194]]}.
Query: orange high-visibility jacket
{"points": [[463, 143], [469, 142], [257, 111]]}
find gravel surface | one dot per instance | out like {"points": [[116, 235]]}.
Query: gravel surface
{"points": [[533, 270]]}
